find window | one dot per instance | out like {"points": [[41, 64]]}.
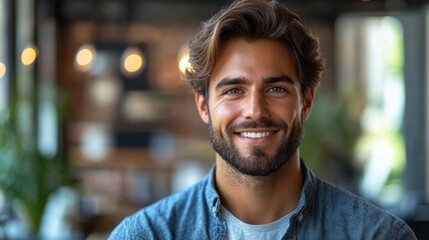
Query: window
{"points": [[370, 71]]}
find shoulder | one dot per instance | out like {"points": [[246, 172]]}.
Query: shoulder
{"points": [[340, 199], [354, 214], [161, 220], [173, 207]]}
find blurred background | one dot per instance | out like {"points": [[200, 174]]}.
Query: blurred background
{"points": [[96, 121]]}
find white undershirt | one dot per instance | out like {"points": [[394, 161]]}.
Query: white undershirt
{"points": [[237, 229]]}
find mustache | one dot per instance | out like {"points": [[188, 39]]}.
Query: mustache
{"points": [[259, 123]]}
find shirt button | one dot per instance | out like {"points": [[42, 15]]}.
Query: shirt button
{"points": [[300, 217], [214, 209]]}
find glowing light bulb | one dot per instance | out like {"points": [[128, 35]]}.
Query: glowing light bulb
{"points": [[28, 56], [133, 61], [84, 57], [184, 63], [2, 69]]}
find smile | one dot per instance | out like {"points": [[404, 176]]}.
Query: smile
{"points": [[256, 134]]}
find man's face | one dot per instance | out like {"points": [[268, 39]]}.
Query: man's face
{"points": [[255, 109]]}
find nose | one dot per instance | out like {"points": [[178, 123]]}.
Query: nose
{"points": [[255, 106]]}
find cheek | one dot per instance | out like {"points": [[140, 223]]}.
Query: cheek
{"points": [[296, 117], [290, 116], [223, 114], [288, 111]]}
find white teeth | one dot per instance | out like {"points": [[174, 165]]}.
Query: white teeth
{"points": [[255, 134]]}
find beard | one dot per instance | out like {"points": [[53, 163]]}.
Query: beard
{"points": [[257, 163]]}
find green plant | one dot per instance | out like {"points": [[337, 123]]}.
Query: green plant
{"points": [[27, 177]]}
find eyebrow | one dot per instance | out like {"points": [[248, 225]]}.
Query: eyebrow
{"points": [[229, 81], [278, 79], [268, 80]]}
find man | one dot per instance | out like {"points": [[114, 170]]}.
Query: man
{"points": [[255, 69]]}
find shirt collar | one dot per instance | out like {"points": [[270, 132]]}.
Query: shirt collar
{"points": [[212, 196], [308, 191]]}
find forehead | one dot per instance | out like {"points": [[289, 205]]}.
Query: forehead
{"points": [[255, 59]]}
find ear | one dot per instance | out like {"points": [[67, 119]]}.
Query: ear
{"points": [[308, 103], [202, 107]]}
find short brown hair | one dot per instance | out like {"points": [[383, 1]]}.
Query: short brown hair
{"points": [[254, 19]]}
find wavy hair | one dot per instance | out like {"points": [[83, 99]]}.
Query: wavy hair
{"points": [[252, 20]]}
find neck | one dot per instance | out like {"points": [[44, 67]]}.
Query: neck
{"points": [[256, 199]]}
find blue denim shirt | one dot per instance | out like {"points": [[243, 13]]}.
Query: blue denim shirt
{"points": [[323, 212]]}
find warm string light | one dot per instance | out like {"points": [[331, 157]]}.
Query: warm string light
{"points": [[28, 56], [2, 69], [184, 63], [132, 61], [84, 57]]}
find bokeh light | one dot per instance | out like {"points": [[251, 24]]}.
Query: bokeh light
{"points": [[28, 56], [132, 61], [85, 57], [184, 63], [2, 69]]}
